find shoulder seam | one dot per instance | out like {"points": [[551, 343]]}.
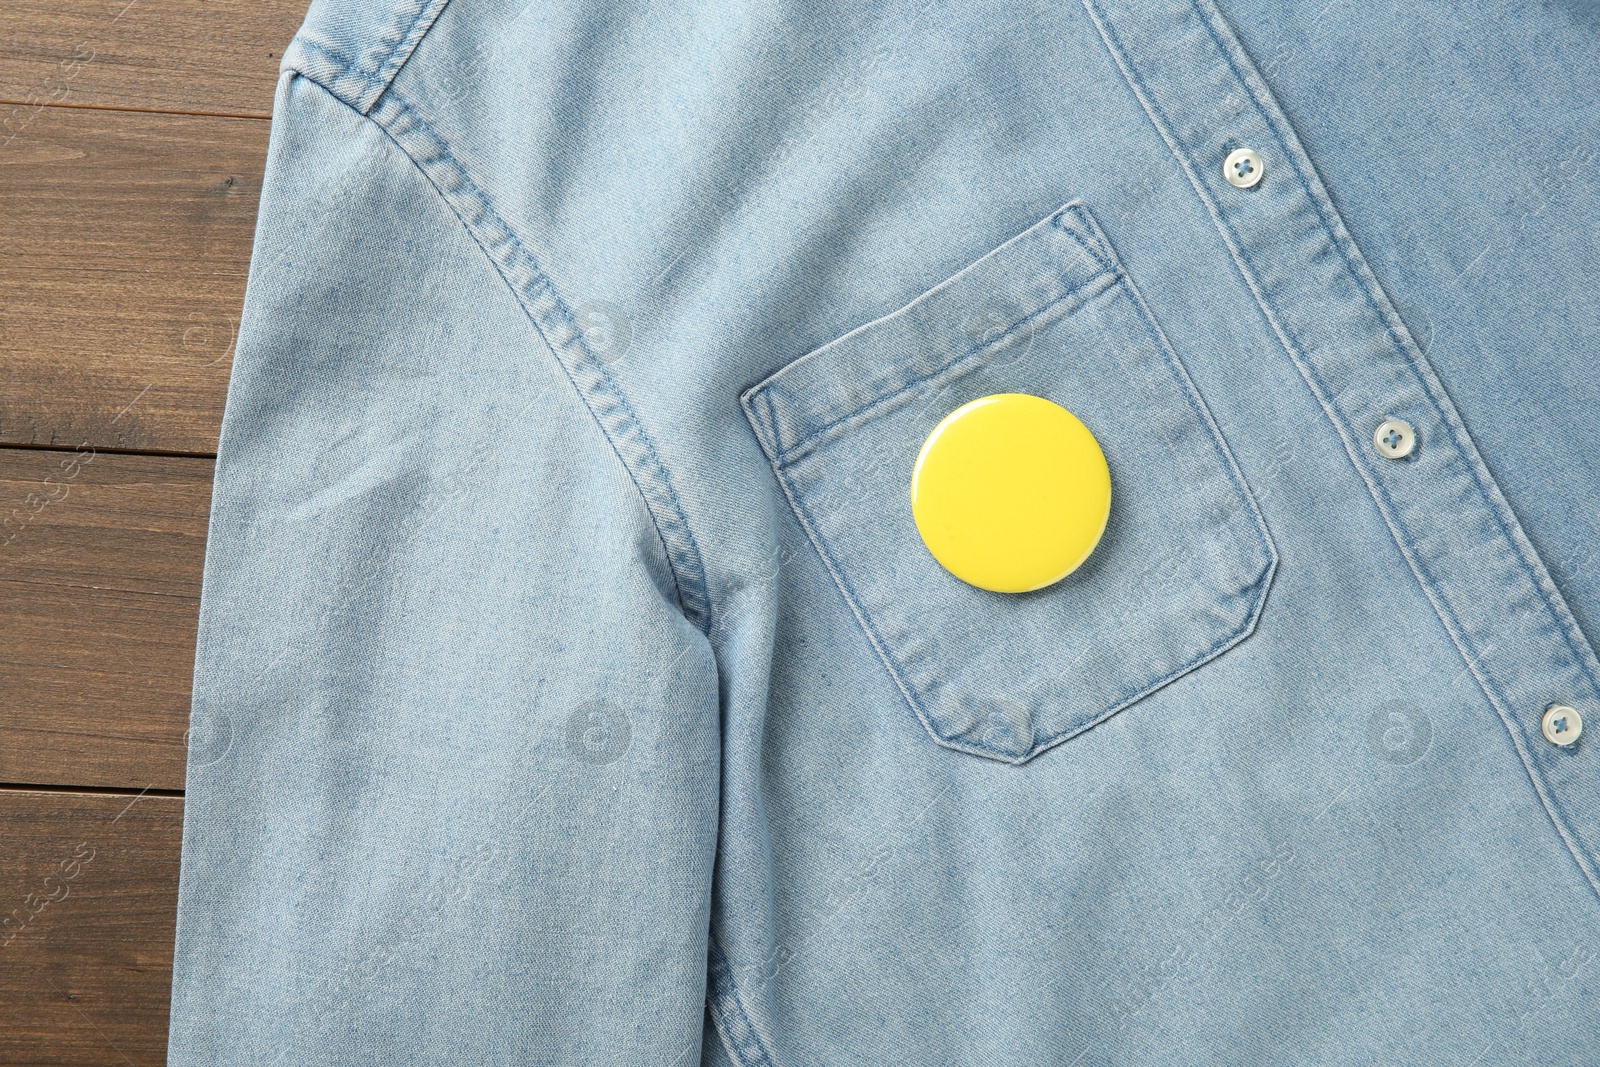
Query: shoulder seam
{"points": [[384, 75], [553, 320], [360, 81]]}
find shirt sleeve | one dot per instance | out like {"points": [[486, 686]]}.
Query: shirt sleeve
{"points": [[453, 772]]}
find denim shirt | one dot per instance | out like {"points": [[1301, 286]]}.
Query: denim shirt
{"points": [[573, 686]]}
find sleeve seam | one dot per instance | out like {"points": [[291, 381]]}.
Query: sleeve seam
{"points": [[553, 321]]}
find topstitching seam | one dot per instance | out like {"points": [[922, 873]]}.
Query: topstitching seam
{"points": [[1365, 283], [384, 74], [1294, 348], [685, 565]]}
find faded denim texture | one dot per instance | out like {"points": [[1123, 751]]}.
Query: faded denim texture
{"points": [[572, 687]]}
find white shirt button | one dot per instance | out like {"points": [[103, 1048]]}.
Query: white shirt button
{"points": [[1561, 725], [1394, 438], [1243, 168]]}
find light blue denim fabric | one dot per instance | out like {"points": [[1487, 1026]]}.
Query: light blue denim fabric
{"points": [[573, 687]]}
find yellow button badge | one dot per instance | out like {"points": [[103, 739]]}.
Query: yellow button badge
{"points": [[1011, 493]]}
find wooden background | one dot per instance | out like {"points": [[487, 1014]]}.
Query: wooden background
{"points": [[132, 138]]}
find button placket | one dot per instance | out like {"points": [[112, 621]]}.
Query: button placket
{"points": [[1451, 523]]}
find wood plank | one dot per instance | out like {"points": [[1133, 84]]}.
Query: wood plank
{"points": [[124, 247], [100, 563], [88, 895], [202, 56]]}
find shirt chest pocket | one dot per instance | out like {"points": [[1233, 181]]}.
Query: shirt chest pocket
{"points": [[1180, 573]]}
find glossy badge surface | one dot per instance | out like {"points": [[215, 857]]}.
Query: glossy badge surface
{"points": [[1011, 492]]}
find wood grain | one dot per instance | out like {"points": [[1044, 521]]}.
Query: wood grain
{"points": [[124, 247], [88, 894], [201, 56], [100, 563]]}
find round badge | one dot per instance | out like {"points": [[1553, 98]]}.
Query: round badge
{"points": [[1011, 493]]}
